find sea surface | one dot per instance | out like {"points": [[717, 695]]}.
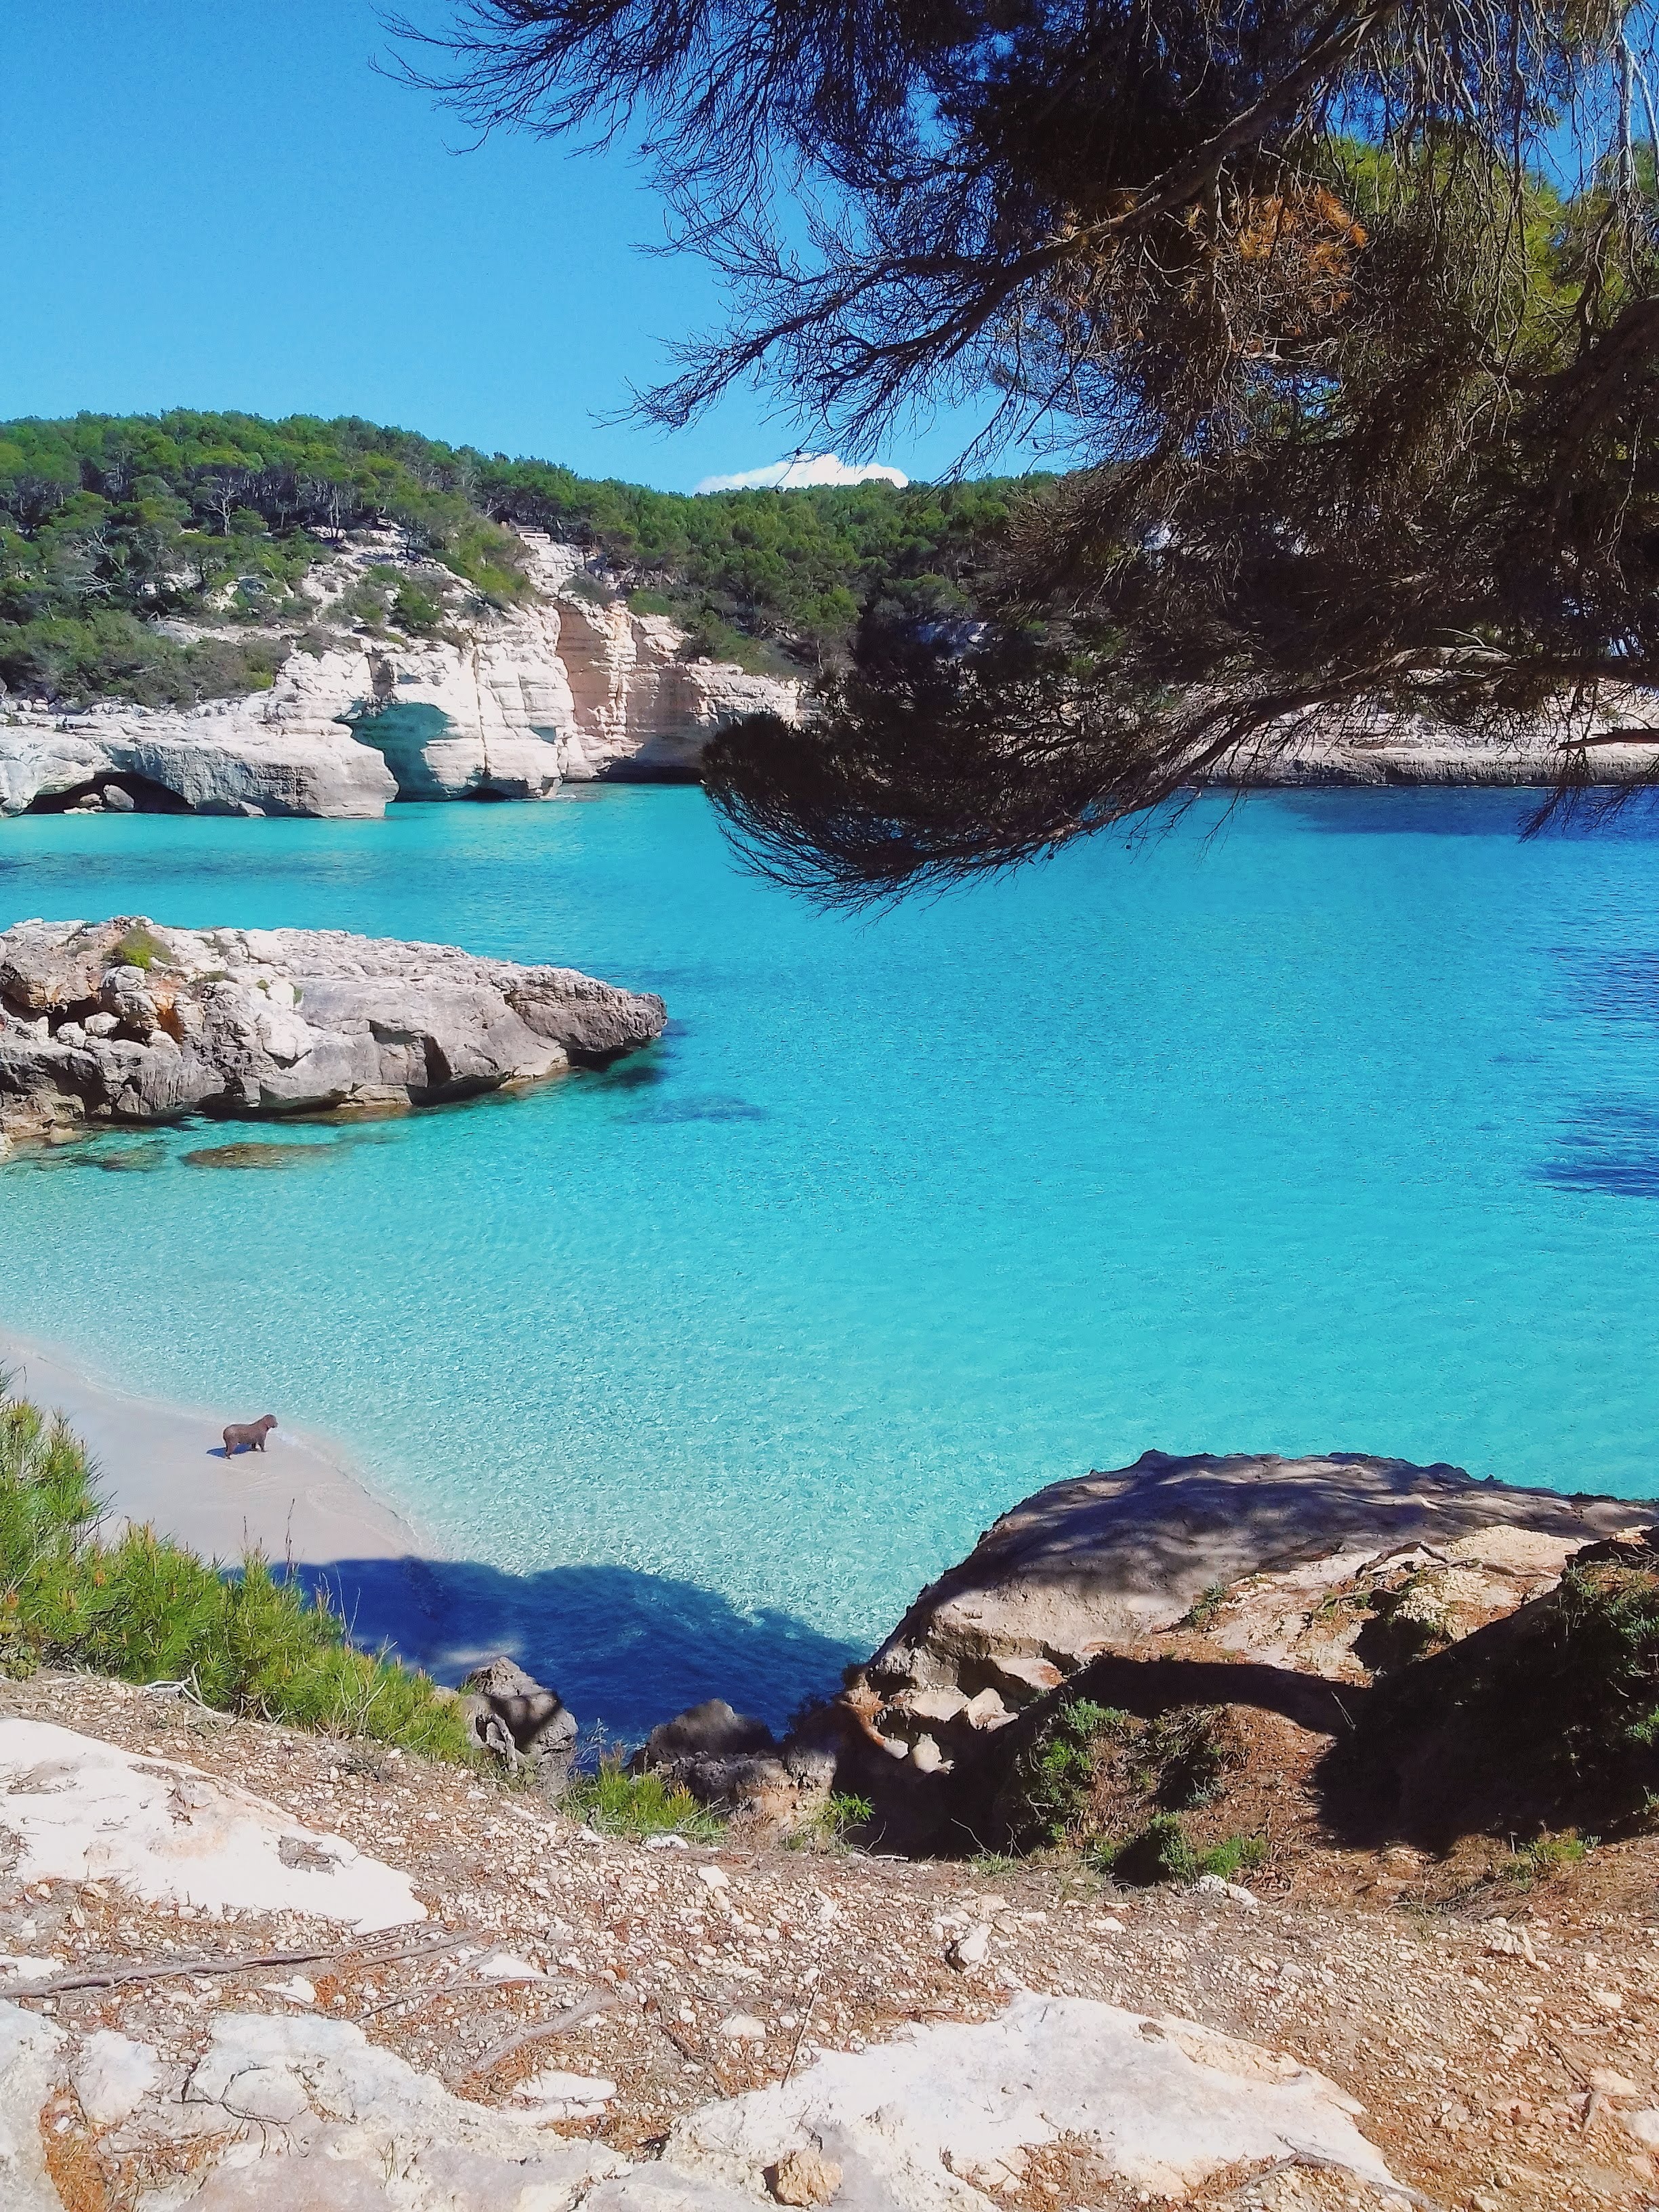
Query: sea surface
{"points": [[1325, 1121]]}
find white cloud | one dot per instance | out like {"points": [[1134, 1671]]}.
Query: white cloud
{"points": [[804, 469]]}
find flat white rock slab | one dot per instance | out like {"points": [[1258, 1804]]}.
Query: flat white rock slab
{"points": [[82, 1811], [1164, 2103], [28, 2062]]}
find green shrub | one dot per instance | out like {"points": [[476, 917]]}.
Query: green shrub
{"points": [[147, 1610], [618, 1803], [831, 1825], [1053, 1776], [1233, 1855], [1159, 1852], [141, 948], [416, 610], [1546, 1856], [70, 658], [1183, 1754]]}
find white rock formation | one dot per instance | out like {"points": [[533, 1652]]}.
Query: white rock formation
{"points": [[79, 1810], [125, 1021], [566, 687], [111, 2076], [294, 2112], [328, 2116], [931, 2123], [1384, 749], [29, 2054], [253, 755]]}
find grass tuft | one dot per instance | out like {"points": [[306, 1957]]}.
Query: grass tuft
{"points": [[141, 948], [1162, 1852], [1205, 1608], [618, 1803], [145, 1609], [831, 1826], [1546, 1856], [1233, 1855]]}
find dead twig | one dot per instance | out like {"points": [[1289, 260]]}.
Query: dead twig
{"points": [[800, 2035], [682, 2044], [240, 1963], [595, 2001]]}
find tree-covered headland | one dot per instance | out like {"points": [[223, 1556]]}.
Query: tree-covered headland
{"points": [[122, 536]]}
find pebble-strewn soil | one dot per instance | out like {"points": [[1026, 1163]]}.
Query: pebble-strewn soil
{"points": [[1499, 2046]]}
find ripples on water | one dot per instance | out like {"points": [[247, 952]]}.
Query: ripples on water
{"points": [[1295, 1137]]}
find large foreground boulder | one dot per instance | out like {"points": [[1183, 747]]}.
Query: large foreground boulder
{"points": [[1100, 1562], [1283, 1585], [127, 1021]]}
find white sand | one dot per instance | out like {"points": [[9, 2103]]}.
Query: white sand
{"points": [[165, 1464]]}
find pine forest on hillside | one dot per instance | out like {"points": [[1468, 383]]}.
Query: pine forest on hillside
{"points": [[120, 535]]}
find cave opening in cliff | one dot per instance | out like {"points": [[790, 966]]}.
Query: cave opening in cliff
{"points": [[121, 792]]}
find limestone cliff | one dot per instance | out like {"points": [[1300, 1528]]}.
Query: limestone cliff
{"points": [[569, 686]]}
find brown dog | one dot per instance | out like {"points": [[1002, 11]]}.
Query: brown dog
{"points": [[249, 1436]]}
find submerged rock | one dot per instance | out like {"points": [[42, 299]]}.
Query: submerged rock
{"points": [[270, 1157], [127, 1021]]}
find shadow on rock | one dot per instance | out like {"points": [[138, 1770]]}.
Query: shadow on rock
{"points": [[625, 1649]]}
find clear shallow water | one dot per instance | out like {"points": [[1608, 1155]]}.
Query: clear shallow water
{"points": [[1337, 1130]]}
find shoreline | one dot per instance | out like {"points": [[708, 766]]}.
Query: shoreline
{"points": [[161, 1461]]}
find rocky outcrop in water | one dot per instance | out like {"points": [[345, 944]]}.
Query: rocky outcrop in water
{"points": [[510, 1714], [566, 687], [127, 1021]]}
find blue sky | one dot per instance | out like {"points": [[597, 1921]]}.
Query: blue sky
{"points": [[218, 203]]}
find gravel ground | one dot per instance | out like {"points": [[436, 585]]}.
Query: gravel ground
{"points": [[1501, 2050]]}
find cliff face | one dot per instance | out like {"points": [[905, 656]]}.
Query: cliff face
{"points": [[564, 688], [1380, 749]]}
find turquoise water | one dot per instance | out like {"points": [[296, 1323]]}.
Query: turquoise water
{"points": [[1332, 1124]]}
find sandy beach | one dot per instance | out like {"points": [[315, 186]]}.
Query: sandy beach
{"points": [[633, 1647], [297, 1502], [165, 1464]]}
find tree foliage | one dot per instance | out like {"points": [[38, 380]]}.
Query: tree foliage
{"points": [[1363, 397], [111, 523]]}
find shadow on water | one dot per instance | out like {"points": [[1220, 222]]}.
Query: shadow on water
{"points": [[1615, 987], [622, 1647], [1614, 1150], [1437, 811]]}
